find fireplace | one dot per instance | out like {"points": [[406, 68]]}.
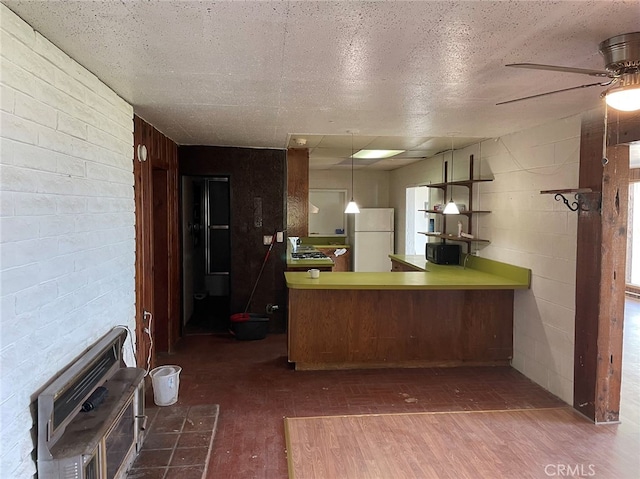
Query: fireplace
{"points": [[91, 418]]}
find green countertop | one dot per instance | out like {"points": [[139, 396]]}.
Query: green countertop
{"points": [[485, 265], [480, 273]]}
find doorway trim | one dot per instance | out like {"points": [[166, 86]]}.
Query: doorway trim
{"points": [[162, 154]]}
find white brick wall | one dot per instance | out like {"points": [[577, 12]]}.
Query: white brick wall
{"points": [[66, 223]]}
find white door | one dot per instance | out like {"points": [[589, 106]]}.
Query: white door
{"points": [[372, 250]]}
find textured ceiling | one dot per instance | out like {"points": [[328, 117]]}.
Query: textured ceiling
{"points": [[261, 74]]}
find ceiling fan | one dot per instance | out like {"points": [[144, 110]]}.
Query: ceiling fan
{"points": [[621, 74]]}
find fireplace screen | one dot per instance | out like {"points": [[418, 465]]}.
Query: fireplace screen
{"points": [[78, 439], [119, 441]]}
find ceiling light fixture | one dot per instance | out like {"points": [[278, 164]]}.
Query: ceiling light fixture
{"points": [[352, 207], [451, 208], [377, 154], [625, 96]]}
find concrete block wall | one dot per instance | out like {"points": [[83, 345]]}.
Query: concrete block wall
{"points": [[66, 221], [533, 230], [526, 229]]}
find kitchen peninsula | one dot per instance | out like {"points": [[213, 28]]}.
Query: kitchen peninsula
{"points": [[430, 315]]}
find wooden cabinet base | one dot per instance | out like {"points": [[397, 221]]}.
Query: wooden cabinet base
{"points": [[341, 329], [342, 262], [307, 268], [398, 266], [300, 366]]}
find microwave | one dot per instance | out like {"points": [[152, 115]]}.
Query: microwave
{"points": [[440, 253]]}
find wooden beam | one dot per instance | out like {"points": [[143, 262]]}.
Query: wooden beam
{"points": [[298, 192], [615, 194], [600, 268]]}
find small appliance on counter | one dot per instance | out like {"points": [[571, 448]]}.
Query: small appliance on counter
{"points": [[440, 253]]}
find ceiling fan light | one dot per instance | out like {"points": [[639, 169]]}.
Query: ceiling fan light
{"points": [[626, 96]]}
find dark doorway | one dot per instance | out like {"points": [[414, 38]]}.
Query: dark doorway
{"points": [[206, 253]]}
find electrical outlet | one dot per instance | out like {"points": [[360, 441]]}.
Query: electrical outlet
{"points": [[266, 240], [280, 236]]}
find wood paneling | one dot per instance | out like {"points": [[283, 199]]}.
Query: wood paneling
{"points": [[398, 266], [157, 240], [340, 263], [253, 174], [298, 192], [600, 269], [375, 328], [143, 188], [161, 286]]}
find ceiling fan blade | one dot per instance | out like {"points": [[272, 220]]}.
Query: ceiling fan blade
{"points": [[554, 68], [552, 92]]}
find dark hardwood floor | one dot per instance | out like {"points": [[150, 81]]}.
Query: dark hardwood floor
{"points": [[256, 388]]}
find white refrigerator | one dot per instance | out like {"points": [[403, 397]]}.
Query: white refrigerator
{"points": [[372, 239]]}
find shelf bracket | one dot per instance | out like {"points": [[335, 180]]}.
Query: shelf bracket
{"points": [[585, 199]]}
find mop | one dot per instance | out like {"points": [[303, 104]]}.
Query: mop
{"points": [[246, 316]]}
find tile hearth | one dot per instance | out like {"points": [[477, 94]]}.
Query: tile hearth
{"points": [[178, 443]]}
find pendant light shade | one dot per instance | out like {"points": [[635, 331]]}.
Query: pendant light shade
{"points": [[352, 207], [451, 208]]}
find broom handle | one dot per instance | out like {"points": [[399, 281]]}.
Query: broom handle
{"points": [[266, 257]]}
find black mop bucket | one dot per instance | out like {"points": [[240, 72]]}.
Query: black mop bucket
{"points": [[249, 326]]}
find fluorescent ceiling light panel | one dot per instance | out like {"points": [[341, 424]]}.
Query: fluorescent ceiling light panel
{"points": [[378, 154]]}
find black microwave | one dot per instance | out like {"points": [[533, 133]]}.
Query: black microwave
{"points": [[440, 253]]}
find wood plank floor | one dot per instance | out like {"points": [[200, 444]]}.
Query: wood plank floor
{"points": [[256, 388], [528, 443]]}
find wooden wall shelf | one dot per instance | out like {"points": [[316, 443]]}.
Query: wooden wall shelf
{"points": [[445, 186], [467, 213], [466, 183], [585, 198], [454, 237]]}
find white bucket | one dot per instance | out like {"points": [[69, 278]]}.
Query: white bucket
{"points": [[165, 381]]}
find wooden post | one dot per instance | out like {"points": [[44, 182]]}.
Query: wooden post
{"points": [[600, 274]]}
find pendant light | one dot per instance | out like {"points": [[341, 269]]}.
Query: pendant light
{"points": [[451, 208], [352, 207]]}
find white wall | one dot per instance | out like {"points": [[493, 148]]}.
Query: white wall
{"points": [[67, 224], [526, 229], [415, 174], [537, 232], [371, 186]]}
